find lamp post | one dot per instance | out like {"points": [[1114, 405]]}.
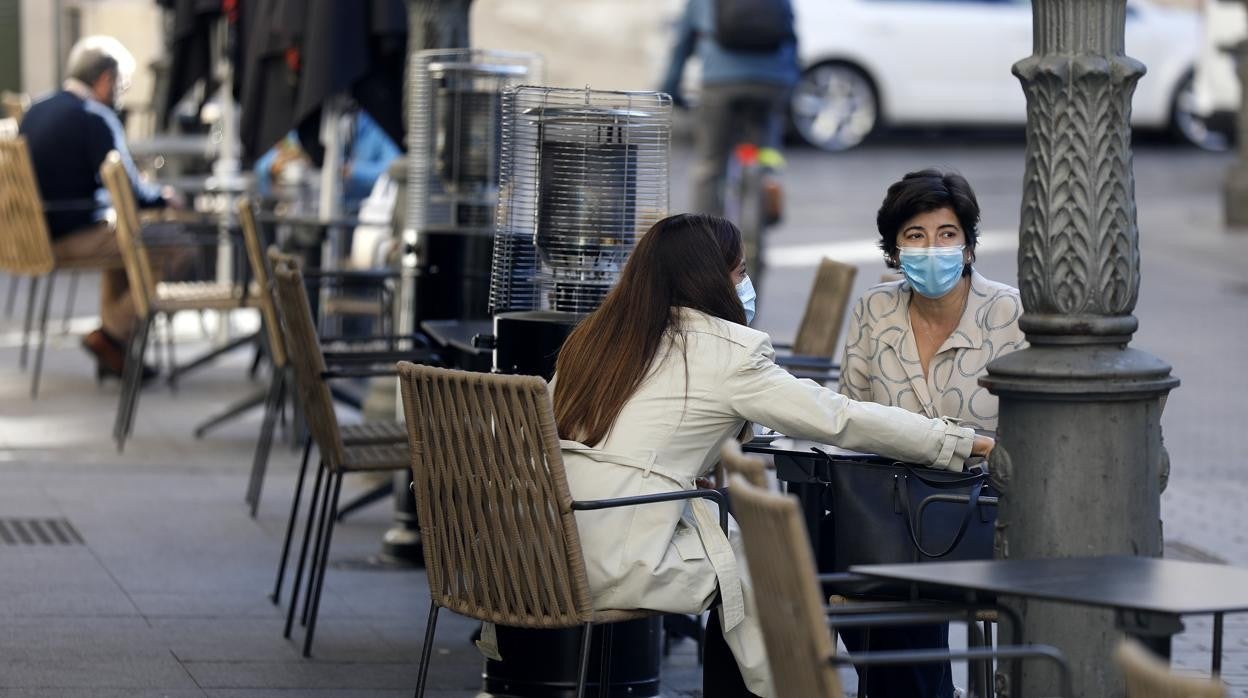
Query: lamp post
{"points": [[1235, 189], [1079, 455]]}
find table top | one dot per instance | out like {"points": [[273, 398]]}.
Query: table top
{"points": [[1122, 582], [458, 333], [779, 445]]}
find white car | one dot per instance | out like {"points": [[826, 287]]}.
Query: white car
{"points": [[1215, 92], [929, 62]]}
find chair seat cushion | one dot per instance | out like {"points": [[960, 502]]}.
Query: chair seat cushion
{"points": [[374, 433], [376, 457], [196, 295]]}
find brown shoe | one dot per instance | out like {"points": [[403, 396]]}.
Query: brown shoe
{"points": [[110, 356]]}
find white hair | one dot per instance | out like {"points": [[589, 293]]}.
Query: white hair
{"points": [[94, 56]]}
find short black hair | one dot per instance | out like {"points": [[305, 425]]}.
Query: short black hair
{"points": [[921, 192]]}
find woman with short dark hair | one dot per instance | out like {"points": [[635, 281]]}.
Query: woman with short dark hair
{"points": [[646, 391], [921, 343]]}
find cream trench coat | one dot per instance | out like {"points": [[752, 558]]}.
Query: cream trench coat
{"points": [[672, 557], [881, 360]]}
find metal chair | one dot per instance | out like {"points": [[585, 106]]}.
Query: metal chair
{"points": [[151, 297], [812, 353], [1149, 677], [496, 517], [337, 457], [274, 397], [26, 248], [795, 623]]}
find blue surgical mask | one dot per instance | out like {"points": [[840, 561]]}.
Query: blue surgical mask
{"points": [[932, 271], [745, 291]]}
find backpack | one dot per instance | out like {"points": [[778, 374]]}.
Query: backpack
{"points": [[755, 26]]}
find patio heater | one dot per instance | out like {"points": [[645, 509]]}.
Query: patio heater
{"points": [[453, 178], [583, 174], [452, 187]]}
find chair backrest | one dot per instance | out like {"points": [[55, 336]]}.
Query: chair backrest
{"points": [[309, 363], [1149, 677], [496, 520], [25, 247], [262, 273], [820, 329], [129, 233], [790, 606], [750, 467], [15, 105]]}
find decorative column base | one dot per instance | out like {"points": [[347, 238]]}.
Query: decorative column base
{"points": [[1078, 462], [1235, 197]]}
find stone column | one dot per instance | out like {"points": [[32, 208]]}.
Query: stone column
{"points": [[1079, 443], [1235, 190]]}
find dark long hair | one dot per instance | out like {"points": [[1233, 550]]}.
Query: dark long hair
{"points": [[684, 260]]}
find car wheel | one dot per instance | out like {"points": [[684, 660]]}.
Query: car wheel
{"points": [[834, 106], [1187, 126]]}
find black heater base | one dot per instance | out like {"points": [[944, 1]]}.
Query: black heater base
{"points": [[543, 663]]}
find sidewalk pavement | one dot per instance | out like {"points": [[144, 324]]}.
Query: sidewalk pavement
{"points": [[166, 593]]}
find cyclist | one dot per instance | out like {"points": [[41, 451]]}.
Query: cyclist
{"points": [[748, 50]]}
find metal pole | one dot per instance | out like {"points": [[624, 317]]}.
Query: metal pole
{"points": [[431, 24], [1079, 455], [1235, 189]]}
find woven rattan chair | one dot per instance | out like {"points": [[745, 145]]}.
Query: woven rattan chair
{"points": [[26, 247], [151, 297], [1149, 677], [337, 458], [800, 645], [378, 432], [15, 105], [811, 354], [496, 517], [750, 467]]}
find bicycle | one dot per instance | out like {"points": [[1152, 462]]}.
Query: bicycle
{"points": [[752, 195]]}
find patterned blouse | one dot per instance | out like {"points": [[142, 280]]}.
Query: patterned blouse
{"points": [[881, 361]]}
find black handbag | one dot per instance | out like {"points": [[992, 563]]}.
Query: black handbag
{"points": [[883, 513]]}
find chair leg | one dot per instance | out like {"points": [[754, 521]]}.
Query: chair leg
{"points": [[990, 673], [976, 671], [43, 336], [131, 381], [320, 576], [276, 595], [264, 445], [169, 357], [604, 668], [587, 633], [14, 282], [426, 650], [69, 301], [303, 550], [236, 409], [316, 552], [30, 318]]}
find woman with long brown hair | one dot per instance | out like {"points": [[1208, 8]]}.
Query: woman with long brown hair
{"points": [[646, 391]]}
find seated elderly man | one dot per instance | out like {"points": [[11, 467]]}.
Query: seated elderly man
{"points": [[69, 134]]}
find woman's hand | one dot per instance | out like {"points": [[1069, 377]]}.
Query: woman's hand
{"points": [[982, 445]]}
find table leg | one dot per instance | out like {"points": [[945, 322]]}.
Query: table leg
{"points": [[1154, 630], [1217, 644]]}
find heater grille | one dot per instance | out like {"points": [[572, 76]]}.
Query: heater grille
{"points": [[454, 127], [583, 174]]}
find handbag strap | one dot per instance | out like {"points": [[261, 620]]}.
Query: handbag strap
{"points": [[972, 502]]}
